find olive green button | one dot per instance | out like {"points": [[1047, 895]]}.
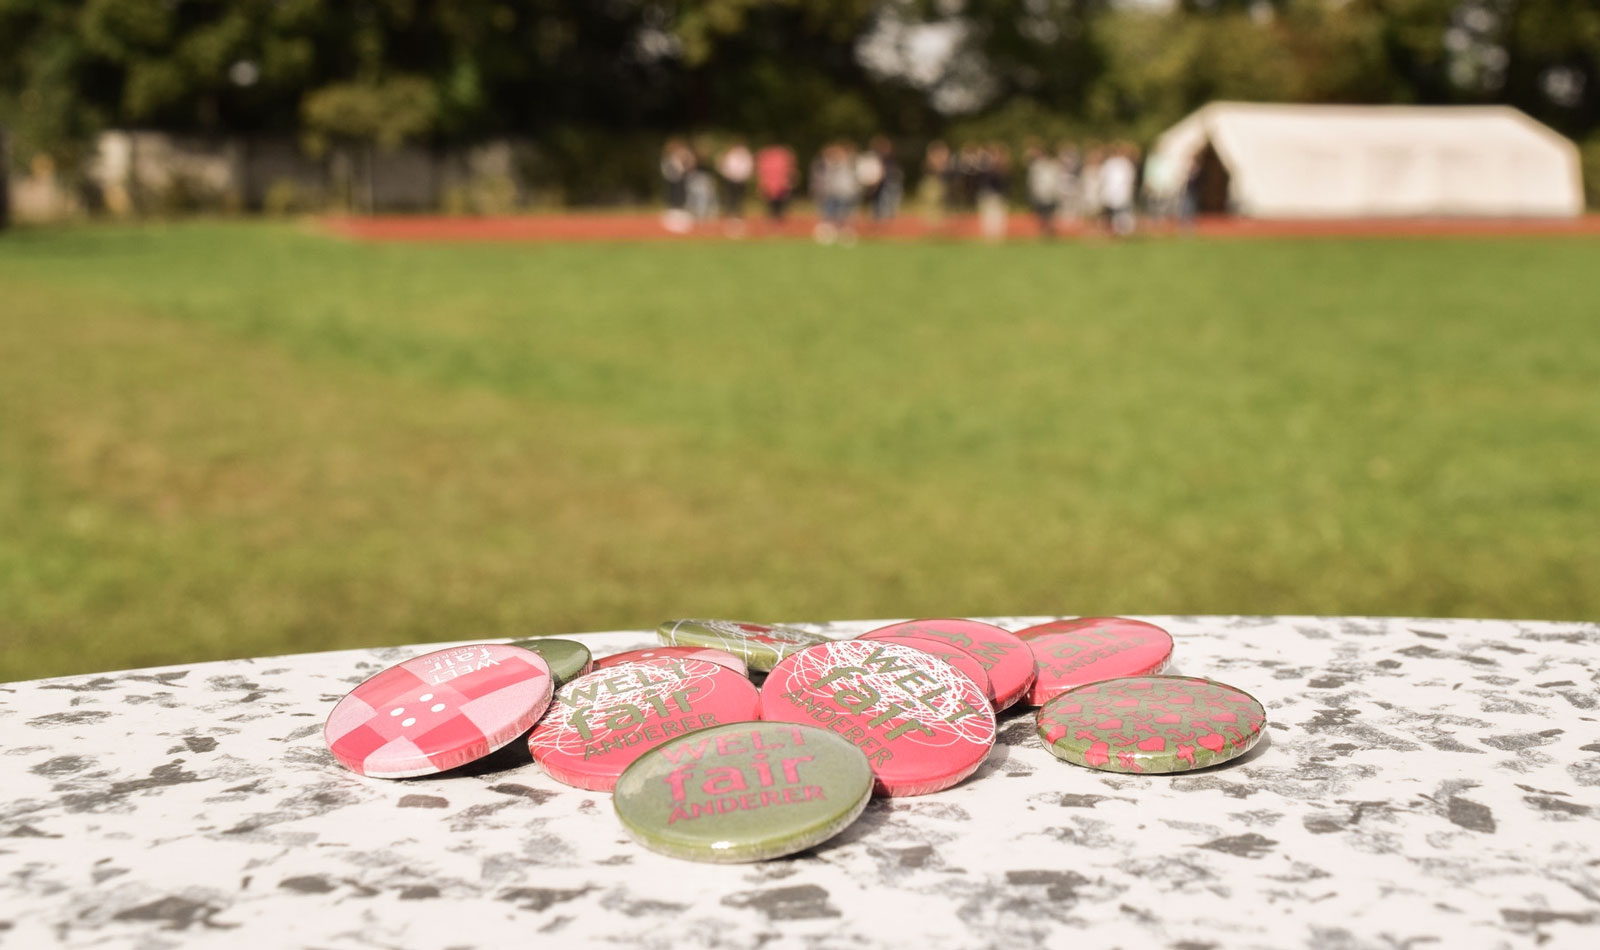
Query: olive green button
{"points": [[746, 791], [568, 659], [1151, 724], [758, 644]]}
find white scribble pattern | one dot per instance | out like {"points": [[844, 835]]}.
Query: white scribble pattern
{"points": [[557, 735], [953, 690]]}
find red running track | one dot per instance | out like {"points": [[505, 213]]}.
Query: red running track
{"points": [[645, 226]]}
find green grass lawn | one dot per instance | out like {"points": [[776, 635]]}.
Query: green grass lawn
{"points": [[240, 439]]}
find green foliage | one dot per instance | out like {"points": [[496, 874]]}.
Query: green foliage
{"points": [[1015, 123], [44, 95], [283, 197], [457, 71], [384, 113], [1161, 67], [1341, 52], [700, 26], [584, 165], [1043, 49]]}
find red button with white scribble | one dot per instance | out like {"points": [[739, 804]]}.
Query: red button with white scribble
{"points": [[964, 662], [1005, 658], [601, 722], [439, 711], [719, 657], [1069, 653], [922, 724]]}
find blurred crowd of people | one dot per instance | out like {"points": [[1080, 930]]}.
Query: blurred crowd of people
{"points": [[1106, 188]]}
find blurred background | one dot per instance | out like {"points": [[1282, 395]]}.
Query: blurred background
{"points": [[329, 325]]}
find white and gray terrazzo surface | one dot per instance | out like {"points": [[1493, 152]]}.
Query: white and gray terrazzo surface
{"points": [[1424, 783]]}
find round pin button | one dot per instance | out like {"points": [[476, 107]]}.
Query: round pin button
{"points": [[1151, 724], [1069, 653], [568, 659], [601, 722], [743, 792], [922, 724], [719, 657], [438, 711], [944, 651], [760, 645], [1006, 659]]}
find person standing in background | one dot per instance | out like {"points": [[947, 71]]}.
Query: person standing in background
{"points": [[886, 204], [1161, 187], [775, 177], [1044, 186], [838, 191], [968, 166], [992, 178], [676, 162], [1092, 203], [735, 166], [869, 177], [1194, 187], [701, 188], [1118, 180], [1071, 201], [932, 191], [816, 182]]}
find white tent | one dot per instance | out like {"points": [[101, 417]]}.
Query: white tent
{"points": [[1295, 161]]}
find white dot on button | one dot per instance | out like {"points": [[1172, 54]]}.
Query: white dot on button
{"points": [[397, 710], [437, 707], [408, 722], [424, 697]]}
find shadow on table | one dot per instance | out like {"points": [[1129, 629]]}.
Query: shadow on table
{"points": [[514, 755]]}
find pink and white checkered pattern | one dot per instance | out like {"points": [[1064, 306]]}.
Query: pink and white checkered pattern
{"points": [[438, 711]]}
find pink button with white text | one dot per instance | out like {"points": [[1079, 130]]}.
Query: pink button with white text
{"points": [[1071, 653], [922, 724], [439, 711], [719, 657], [944, 651], [1005, 658], [601, 722]]}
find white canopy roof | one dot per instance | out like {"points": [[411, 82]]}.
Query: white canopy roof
{"points": [[1297, 161]]}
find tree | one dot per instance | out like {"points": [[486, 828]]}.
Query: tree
{"points": [[51, 97], [384, 113], [596, 77], [369, 116], [1045, 50]]}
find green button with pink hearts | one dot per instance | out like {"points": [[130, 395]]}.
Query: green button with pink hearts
{"points": [[1151, 724]]}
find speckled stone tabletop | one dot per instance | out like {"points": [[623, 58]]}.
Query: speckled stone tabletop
{"points": [[1424, 783]]}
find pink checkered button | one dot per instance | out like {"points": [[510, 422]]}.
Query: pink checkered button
{"points": [[439, 711]]}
